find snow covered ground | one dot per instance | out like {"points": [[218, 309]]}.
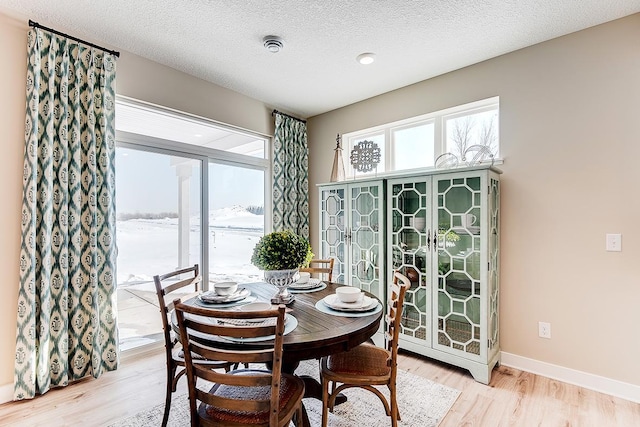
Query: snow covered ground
{"points": [[147, 247]]}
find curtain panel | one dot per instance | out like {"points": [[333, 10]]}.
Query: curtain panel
{"points": [[66, 326], [290, 176]]}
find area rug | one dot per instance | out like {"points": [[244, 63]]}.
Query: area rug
{"points": [[422, 403]]}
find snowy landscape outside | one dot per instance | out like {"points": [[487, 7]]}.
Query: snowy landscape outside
{"points": [[152, 190], [147, 247]]}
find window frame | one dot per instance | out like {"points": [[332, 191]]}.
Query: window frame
{"points": [[438, 118]]}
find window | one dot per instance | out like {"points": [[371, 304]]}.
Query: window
{"points": [[468, 133], [471, 131], [413, 146], [188, 190]]}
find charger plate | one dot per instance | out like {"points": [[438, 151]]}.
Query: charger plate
{"points": [[365, 303], [321, 306]]}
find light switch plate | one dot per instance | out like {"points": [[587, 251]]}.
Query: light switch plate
{"points": [[614, 242]]}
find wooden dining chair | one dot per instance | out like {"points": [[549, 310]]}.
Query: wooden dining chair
{"points": [[367, 365], [185, 283], [241, 397], [320, 267]]}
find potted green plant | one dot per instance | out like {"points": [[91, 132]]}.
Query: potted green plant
{"points": [[280, 254]]}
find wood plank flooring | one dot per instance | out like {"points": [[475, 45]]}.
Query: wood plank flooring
{"points": [[514, 398]]}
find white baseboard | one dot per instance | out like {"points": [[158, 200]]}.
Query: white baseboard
{"points": [[583, 379], [6, 393]]}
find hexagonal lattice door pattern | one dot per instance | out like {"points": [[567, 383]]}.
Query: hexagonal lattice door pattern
{"points": [[365, 238], [459, 248], [410, 204], [332, 217]]}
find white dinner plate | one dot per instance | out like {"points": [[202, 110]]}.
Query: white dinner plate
{"points": [[366, 304]]}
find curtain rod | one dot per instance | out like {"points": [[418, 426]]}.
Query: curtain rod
{"points": [[287, 115], [36, 25]]}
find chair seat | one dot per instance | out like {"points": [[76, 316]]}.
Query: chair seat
{"points": [[361, 363], [291, 391]]}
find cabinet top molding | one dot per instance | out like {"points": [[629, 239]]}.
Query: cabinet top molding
{"points": [[414, 172]]}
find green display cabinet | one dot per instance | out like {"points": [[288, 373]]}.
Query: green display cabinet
{"points": [[443, 234]]}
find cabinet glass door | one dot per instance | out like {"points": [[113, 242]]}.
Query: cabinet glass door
{"points": [[410, 248], [332, 231], [458, 258], [364, 237]]}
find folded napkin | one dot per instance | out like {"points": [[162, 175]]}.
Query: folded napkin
{"points": [[211, 296], [271, 321], [311, 283]]}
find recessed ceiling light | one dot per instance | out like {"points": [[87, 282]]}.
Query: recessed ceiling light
{"points": [[366, 58], [274, 44]]}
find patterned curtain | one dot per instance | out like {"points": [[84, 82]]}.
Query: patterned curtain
{"points": [[290, 176], [66, 326]]}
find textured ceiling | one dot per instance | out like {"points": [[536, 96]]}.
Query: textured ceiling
{"points": [[221, 40]]}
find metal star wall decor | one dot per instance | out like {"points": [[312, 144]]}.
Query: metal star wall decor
{"points": [[365, 156]]}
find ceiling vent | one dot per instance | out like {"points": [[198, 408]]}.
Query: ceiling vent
{"points": [[273, 44]]}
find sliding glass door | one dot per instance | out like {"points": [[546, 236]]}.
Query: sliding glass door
{"points": [[158, 221], [188, 191], [236, 221]]}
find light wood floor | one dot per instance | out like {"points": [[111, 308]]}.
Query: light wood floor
{"points": [[514, 398]]}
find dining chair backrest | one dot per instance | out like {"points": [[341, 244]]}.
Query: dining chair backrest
{"points": [[321, 267], [397, 291], [232, 325], [184, 282]]}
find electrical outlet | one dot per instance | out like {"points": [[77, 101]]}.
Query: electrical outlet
{"points": [[544, 330]]}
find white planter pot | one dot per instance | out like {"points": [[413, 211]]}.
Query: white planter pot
{"points": [[281, 279]]}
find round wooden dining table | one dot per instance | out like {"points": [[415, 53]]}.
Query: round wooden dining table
{"points": [[317, 334]]}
